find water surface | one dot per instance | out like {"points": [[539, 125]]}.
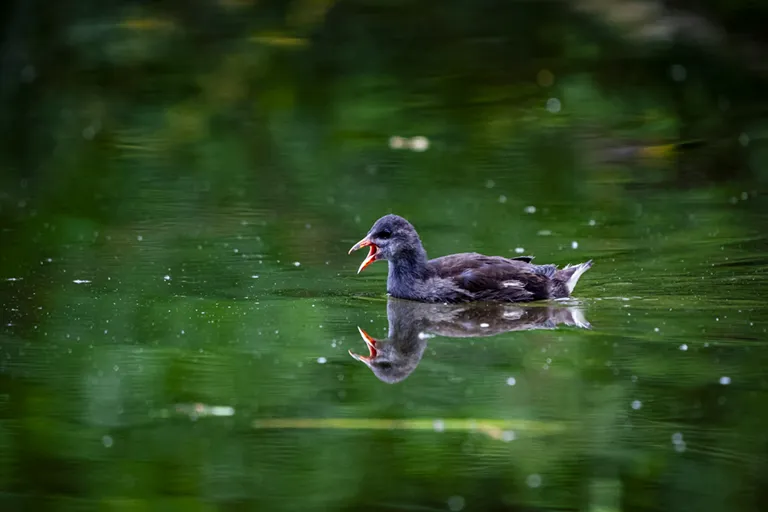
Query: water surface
{"points": [[178, 305]]}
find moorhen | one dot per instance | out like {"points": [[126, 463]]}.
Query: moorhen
{"points": [[411, 323], [462, 277]]}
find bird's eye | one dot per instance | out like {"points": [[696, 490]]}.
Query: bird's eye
{"points": [[384, 234]]}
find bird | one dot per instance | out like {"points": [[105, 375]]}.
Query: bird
{"points": [[411, 324], [462, 277]]}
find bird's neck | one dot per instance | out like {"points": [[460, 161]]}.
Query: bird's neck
{"points": [[406, 271]]}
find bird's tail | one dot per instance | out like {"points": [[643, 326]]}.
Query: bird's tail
{"points": [[570, 274]]}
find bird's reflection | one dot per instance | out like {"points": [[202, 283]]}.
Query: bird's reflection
{"points": [[411, 323]]}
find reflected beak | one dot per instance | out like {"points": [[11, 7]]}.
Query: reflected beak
{"points": [[365, 242], [371, 343]]}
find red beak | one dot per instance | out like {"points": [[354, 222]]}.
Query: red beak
{"points": [[371, 348], [365, 242]]}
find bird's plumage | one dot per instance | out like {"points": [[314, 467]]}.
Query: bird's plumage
{"points": [[462, 277]]}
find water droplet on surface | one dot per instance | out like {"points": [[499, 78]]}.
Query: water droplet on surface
{"points": [[683, 347], [519, 250], [455, 503], [529, 209], [574, 245], [397, 142], [419, 143], [139, 238], [553, 105], [533, 480], [502, 199], [322, 360], [107, 441], [678, 73], [724, 380], [637, 404], [296, 263], [744, 139], [545, 78], [166, 278], [507, 436], [511, 381], [438, 425]]}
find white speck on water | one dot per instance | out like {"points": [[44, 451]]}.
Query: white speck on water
{"points": [[655, 329], [166, 277], [678, 73], [511, 381], [419, 143], [508, 435], [438, 425], [637, 404], [680, 447], [683, 347], [490, 184], [321, 360], [485, 325], [724, 380], [296, 263], [425, 336], [502, 199], [592, 222], [744, 196], [677, 438], [634, 378], [254, 276], [456, 503], [529, 209], [397, 142], [81, 281], [544, 232], [574, 245], [14, 279], [533, 480], [139, 238], [519, 250], [116, 368], [553, 105], [744, 139], [107, 441], [222, 410]]}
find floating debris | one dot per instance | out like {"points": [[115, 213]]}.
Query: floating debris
{"points": [[496, 429]]}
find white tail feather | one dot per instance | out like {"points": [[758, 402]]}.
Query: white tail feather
{"points": [[580, 269]]}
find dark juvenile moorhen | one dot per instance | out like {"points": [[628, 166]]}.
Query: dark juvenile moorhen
{"points": [[460, 277]]}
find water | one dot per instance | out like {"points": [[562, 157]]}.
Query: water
{"points": [[178, 305]]}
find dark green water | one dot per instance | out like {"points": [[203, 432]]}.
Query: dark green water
{"points": [[178, 303]]}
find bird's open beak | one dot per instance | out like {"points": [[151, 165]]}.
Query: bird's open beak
{"points": [[365, 242], [371, 343]]}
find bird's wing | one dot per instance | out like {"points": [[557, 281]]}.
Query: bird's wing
{"points": [[495, 277]]}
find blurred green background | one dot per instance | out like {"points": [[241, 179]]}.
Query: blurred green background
{"points": [[180, 183]]}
